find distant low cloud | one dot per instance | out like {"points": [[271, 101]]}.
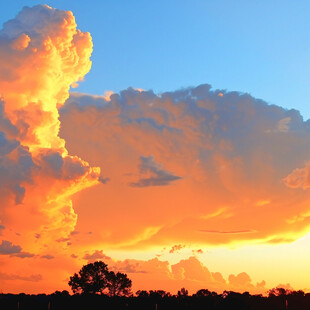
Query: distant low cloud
{"points": [[239, 280], [7, 248], [75, 232], [176, 248], [63, 240], [14, 277], [47, 256], [103, 180], [23, 255], [189, 273], [95, 256], [37, 236], [199, 251]]}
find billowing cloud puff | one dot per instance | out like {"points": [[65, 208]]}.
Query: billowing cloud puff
{"points": [[41, 55], [224, 164], [299, 177], [16, 166], [156, 274]]}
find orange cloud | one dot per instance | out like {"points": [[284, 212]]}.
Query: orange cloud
{"points": [[215, 168], [41, 55], [176, 248], [299, 178], [14, 277], [21, 42]]}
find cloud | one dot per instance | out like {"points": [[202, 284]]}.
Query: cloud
{"points": [[23, 255], [16, 167], [191, 269], [152, 174], [227, 162], [47, 256], [199, 251], [243, 282], [14, 277], [176, 248], [63, 240], [7, 248], [299, 178], [242, 279], [129, 266], [189, 273], [103, 180], [42, 53], [97, 255], [36, 171]]}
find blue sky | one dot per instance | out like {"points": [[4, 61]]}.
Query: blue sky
{"points": [[259, 47]]}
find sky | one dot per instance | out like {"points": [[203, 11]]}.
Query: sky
{"points": [[169, 140], [257, 47]]}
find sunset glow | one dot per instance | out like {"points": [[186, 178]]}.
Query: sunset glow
{"points": [[198, 187]]}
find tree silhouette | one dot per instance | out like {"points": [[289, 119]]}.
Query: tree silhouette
{"points": [[91, 279], [142, 293], [203, 293], [279, 291], [95, 278], [183, 292], [159, 294], [118, 284]]}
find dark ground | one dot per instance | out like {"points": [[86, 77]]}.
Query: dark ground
{"points": [[153, 300]]}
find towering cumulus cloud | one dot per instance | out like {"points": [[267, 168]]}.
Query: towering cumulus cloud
{"points": [[41, 55]]}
